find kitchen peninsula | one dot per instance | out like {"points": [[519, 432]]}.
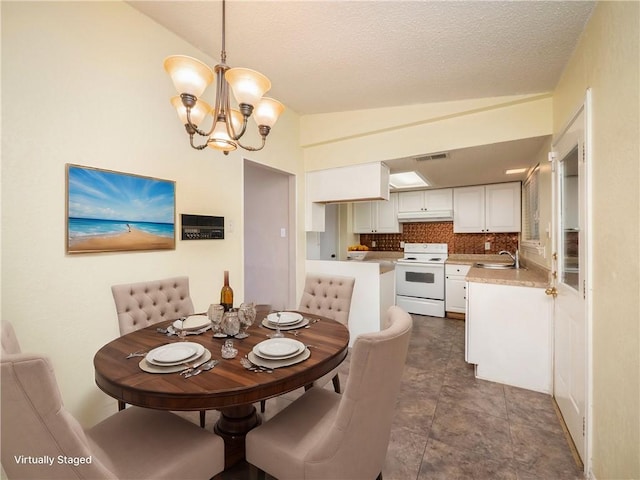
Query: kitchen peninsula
{"points": [[373, 292]]}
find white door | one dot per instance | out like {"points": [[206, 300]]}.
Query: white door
{"points": [[269, 246], [570, 264]]}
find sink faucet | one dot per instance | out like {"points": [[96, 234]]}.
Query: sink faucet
{"points": [[516, 258]]}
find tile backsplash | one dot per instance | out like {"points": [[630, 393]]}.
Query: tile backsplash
{"points": [[441, 232]]}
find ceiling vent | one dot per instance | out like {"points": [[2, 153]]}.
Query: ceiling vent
{"points": [[433, 156]]}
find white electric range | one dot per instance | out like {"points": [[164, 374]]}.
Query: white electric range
{"points": [[420, 278]]}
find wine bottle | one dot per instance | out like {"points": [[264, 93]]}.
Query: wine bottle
{"points": [[226, 294]]}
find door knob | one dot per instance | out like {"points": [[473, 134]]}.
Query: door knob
{"points": [[551, 291]]}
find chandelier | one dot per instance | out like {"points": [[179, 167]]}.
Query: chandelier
{"points": [[191, 77]]}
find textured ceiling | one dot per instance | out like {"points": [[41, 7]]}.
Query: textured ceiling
{"points": [[331, 56]]}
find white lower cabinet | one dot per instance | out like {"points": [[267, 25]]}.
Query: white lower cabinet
{"points": [[508, 335], [455, 287]]}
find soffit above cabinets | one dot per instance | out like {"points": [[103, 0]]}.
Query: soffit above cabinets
{"points": [[478, 165]]}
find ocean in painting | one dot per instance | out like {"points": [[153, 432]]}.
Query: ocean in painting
{"points": [[85, 228]]}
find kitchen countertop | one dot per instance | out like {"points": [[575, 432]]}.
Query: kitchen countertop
{"points": [[386, 260], [529, 276]]}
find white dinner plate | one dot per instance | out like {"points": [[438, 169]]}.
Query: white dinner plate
{"points": [[175, 353], [278, 348], [151, 368], [268, 324], [279, 363], [193, 322], [286, 318]]}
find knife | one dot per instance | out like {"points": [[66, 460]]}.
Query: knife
{"points": [[193, 367]]}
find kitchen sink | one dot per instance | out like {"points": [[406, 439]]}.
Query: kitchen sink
{"points": [[497, 266]]}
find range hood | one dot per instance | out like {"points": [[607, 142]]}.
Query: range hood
{"points": [[426, 216]]}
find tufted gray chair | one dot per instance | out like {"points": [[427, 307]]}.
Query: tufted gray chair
{"points": [[323, 435], [136, 443], [328, 296], [140, 305], [331, 298]]}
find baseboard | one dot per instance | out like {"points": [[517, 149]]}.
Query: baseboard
{"points": [[455, 315]]}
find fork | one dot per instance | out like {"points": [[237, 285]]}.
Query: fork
{"points": [[203, 368], [249, 365], [136, 354]]}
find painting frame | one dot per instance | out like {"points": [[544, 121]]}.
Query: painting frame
{"points": [[111, 211]]}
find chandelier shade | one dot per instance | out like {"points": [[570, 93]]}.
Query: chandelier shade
{"points": [[248, 86], [198, 112], [191, 77], [267, 111]]}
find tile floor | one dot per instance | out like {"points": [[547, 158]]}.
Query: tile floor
{"points": [[448, 425]]}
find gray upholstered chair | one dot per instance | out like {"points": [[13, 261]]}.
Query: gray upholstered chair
{"points": [[329, 296], [135, 443], [324, 435], [142, 304]]}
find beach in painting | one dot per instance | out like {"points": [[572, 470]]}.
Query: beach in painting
{"points": [[110, 211], [90, 235]]}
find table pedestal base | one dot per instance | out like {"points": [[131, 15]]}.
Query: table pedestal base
{"points": [[233, 425]]}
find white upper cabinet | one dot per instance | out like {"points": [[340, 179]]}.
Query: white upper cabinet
{"points": [[487, 208], [376, 217], [425, 200], [369, 181]]}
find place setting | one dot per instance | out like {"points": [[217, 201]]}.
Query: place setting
{"points": [[183, 357], [284, 321], [278, 352], [191, 325]]}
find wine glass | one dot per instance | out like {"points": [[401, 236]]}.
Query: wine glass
{"points": [[247, 315], [278, 333], [215, 314], [182, 332]]}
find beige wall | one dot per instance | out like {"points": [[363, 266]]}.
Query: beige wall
{"points": [[333, 140], [82, 82], [607, 60]]}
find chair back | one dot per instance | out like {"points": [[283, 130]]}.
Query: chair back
{"points": [[329, 296], [356, 445], [8, 340], [142, 304], [38, 433]]}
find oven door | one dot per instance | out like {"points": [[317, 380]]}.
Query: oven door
{"points": [[420, 280]]}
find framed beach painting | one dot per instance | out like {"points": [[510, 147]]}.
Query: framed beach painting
{"points": [[117, 212]]}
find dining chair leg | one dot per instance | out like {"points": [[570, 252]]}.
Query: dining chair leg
{"points": [[262, 405], [336, 383], [121, 405], [203, 413]]}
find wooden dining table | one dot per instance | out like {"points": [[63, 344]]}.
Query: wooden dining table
{"points": [[228, 387]]}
